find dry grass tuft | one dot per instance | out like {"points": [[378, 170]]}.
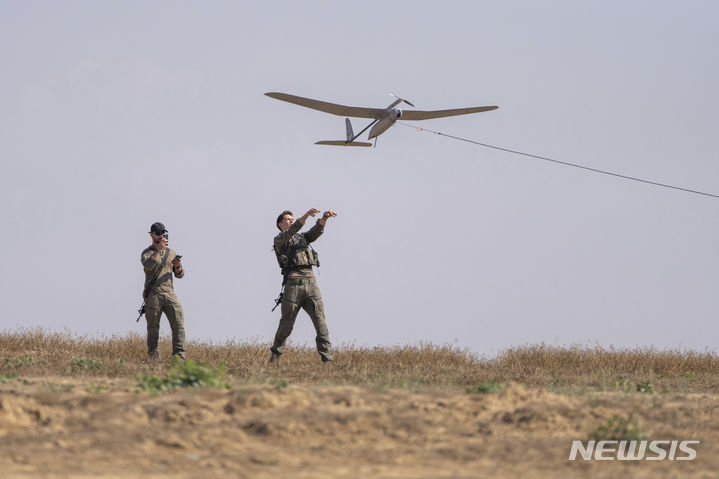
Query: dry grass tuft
{"points": [[571, 369]]}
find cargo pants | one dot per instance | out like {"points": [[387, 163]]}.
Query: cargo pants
{"points": [[155, 305], [305, 294]]}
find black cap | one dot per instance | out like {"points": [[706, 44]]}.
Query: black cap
{"points": [[157, 228]]}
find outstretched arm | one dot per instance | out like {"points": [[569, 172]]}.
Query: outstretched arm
{"points": [[319, 227], [325, 216]]}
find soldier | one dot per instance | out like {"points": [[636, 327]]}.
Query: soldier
{"points": [[296, 258], [160, 262]]}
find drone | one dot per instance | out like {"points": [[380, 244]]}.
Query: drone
{"points": [[382, 118]]}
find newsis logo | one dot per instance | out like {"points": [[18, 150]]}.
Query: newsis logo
{"points": [[634, 450]]}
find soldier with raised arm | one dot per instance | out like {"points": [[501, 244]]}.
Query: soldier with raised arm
{"points": [[296, 258]]}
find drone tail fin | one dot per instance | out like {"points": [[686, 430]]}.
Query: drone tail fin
{"points": [[350, 132], [350, 138]]}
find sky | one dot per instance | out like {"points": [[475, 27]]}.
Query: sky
{"points": [[119, 114]]}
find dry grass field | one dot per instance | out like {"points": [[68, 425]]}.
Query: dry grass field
{"points": [[77, 407]]}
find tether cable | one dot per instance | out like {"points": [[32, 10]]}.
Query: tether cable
{"points": [[565, 163]]}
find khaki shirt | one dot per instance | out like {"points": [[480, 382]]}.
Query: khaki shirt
{"points": [[163, 284]]}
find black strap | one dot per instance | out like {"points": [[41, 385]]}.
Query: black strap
{"points": [[289, 267], [285, 271], [157, 275], [147, 290]]}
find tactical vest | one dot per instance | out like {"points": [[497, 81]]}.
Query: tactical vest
{"points": [[297, 254]]}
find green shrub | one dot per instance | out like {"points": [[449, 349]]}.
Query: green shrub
{"points": [[281, 384], [486, 387], [84, 365], [646, 387], [623, 386], [184, 374], [19, 362], [96, 388], [4, 378], [619, 428]]}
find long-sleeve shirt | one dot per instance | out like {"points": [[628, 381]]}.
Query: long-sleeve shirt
{"points": [[311, 235], [163, 284]]}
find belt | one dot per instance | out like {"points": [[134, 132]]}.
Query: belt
{"points": [[300, 280]]}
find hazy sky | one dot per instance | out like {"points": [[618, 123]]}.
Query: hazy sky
{"points": [[119, 114]]}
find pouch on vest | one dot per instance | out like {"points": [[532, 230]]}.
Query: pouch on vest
{"points": [[305, 257]]}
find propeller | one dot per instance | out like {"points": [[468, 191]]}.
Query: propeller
{"points": [[402, 99]]}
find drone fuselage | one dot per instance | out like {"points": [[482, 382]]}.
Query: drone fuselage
{"points": [[384, 123]]}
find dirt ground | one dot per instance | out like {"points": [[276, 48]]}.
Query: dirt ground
{"points": [[60, 427]]}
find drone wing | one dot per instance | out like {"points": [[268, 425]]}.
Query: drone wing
{"points": [[426, 115], [333, 108]]}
